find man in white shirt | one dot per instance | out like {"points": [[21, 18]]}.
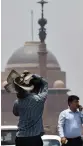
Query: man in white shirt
{"points": [[70, 123]]}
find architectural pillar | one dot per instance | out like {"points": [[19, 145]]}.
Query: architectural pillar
{"points": [[42, 54]]}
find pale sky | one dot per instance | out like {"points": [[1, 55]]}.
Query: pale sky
{"points": [[64, 34]]}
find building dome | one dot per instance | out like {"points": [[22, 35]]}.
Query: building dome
{"points": [[28, 56], [58, 84]]}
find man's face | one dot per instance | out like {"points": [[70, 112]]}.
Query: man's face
{"points": [[75, 104]]}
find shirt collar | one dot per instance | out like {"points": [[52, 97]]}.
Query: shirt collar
{"points": [[70, 111]]}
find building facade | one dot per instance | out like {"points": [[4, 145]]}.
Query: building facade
{"points": [[35, 57]]}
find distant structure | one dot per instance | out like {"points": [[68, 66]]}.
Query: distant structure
{"points": [[42, 22], [32, 24], [35, 57]]}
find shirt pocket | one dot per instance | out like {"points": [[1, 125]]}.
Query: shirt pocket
{"points": [[70, 118], [78, 119]]}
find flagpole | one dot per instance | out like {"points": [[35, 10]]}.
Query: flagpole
{"points": [[32, 24]]}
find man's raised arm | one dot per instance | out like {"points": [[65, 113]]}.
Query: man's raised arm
{"points": [[42, 95], [15, 108]]}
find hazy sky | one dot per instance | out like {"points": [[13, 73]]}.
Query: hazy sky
{"points": [[64, 29]]}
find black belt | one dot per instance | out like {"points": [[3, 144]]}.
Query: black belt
{"points": [[76, 138]]}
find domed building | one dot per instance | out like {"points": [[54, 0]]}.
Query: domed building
{"points": [[35, 57], [27, 57]]}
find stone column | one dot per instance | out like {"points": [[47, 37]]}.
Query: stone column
{"points": [[42, 54]]}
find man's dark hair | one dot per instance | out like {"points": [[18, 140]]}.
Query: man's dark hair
{"points": [[37, 85], [20, 92], [71, 98]]}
